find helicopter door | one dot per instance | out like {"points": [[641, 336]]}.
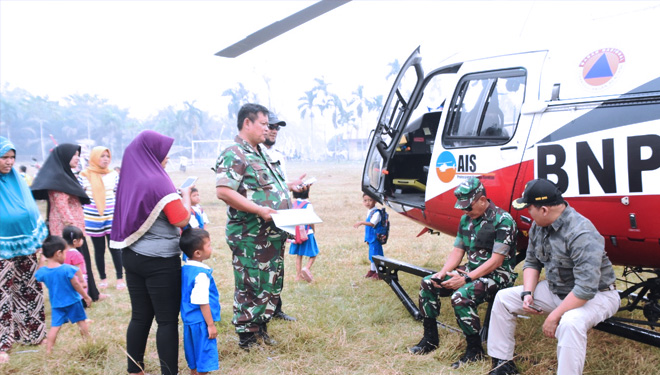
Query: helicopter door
{"points": [[485, 129], [396, 110]]}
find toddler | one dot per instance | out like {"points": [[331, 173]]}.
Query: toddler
{"points": [[308, 248], [198, 219], [200, 305], [64, 290], [375, 247], [74, 239]]}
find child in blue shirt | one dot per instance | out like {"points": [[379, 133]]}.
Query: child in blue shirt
{"points": [[200, 305], [64, 290], [375, 247]]}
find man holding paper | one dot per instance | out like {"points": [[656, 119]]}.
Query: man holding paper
{"points": [[253, 189]]}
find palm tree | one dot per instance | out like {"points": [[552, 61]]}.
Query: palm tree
{"points": [[395, 67], [306, 107], [239, 96], [192, 117]]}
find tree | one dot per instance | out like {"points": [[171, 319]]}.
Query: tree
{"points": [[395, 67], [306, 107]]}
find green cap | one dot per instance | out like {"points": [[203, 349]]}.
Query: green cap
{"points": [[467, 192]]}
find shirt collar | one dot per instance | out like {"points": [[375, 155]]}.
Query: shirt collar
{"points": [[563, 218], [195, 263], [247, 146]]}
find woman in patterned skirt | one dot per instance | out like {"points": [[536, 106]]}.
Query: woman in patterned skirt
{"points": [[57, 183], [22, 317], [100, 184]]}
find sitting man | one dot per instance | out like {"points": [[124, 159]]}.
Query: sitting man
{"points": [[578, 292], [487, 234]]}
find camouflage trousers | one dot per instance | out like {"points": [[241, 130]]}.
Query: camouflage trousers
{"points": [[464, 300], [256, 292]]}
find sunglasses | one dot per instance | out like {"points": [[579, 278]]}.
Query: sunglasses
{"points": [[469, 208], [273, 127]]}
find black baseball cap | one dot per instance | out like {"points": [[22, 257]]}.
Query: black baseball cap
{"points": [[541, 192], [273, 120]]}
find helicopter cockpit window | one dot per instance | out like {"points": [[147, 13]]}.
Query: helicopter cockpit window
{"points": [[485, 109]]}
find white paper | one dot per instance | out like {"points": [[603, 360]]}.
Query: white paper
{"points": [[288, 219]]}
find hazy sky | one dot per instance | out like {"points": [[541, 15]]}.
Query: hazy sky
{"points": [[146, 55]]}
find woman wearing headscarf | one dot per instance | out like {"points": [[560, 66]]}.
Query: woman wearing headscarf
{"points": [[100, 185], [148, 215], [22, 317], [57, 183]]}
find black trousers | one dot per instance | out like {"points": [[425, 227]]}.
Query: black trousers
{"points": [[154, 286], [92, 290], [99, 256]]}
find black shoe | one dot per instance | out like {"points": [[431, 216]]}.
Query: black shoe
{"points": [[263, 332], [246, 340], [503, 367], [430, 341], [423, 347], [473, 351], [281, 315]]}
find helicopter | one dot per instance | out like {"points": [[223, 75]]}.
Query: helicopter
{"points": [[586, 118]]}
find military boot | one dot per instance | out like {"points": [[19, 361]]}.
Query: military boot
{"points": [[503, 367], [430, 341], [473, 352], [246, 340], [263, 332]]}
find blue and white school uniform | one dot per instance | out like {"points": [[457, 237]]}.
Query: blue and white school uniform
{"points": [[375, 247], [66, 304], [308, 248], [198, 288]]}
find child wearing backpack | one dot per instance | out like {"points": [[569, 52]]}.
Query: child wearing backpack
{"points": [[371, 224], [304, 244]]}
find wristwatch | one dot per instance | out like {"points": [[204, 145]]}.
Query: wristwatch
{"points": [[526, 293], [468, 279]]}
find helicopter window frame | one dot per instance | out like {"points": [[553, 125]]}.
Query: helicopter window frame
{"points": [[476, 101]]}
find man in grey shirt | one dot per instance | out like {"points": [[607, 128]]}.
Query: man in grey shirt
{"points": [[578, 291]]}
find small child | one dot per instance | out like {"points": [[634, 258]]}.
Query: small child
{"points": [[308, 248], [200, 305], [197, 211], [375, 247], [74, 239], [64, 290]]}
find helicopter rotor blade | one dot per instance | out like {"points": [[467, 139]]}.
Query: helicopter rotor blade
{"points": [[280, 27]]}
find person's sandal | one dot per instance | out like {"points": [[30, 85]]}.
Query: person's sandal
{"points": [[121, 285], [4, 357], [103, 284]]}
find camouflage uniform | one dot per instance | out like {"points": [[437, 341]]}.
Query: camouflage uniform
{"points": [[257, 245], [494, 231]]}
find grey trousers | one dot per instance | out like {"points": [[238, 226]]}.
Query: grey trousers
{"points": [[572, 330]]}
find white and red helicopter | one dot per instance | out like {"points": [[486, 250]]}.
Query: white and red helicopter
{"points": [[587, 118]]}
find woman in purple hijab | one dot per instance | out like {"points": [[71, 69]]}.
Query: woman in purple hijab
{"points": [[148, 215]]}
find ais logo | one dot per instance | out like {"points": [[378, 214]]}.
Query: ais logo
{"points": [[600, 66], [446, 166]]}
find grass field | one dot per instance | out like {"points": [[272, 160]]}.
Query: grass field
{"points": [[346, 324]]}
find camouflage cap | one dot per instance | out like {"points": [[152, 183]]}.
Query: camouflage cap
{"points": [[541, 192], [467, 192]]}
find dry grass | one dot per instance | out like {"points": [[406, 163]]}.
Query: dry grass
{"points": [[346, 324]]}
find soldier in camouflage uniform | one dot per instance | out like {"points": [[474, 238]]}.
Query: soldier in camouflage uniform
{"points": [[578, 291], [253, 189], [487, 234]]}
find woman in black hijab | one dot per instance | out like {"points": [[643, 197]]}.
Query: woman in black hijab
{"points": [[57, 183]]}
